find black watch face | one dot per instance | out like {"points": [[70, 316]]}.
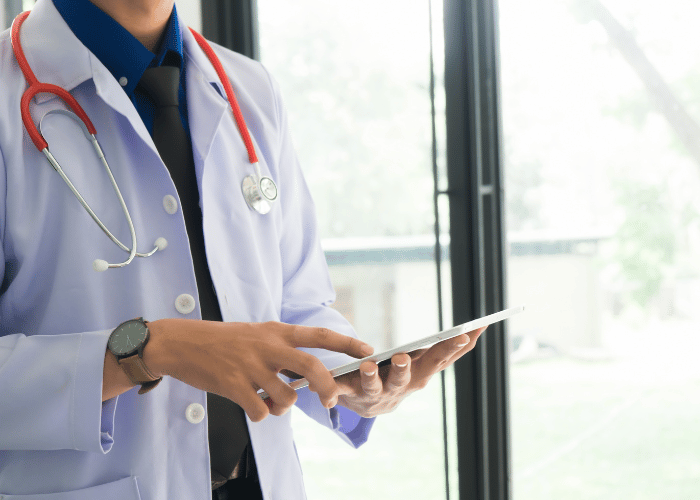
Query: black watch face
{"points": [[127, 338]]}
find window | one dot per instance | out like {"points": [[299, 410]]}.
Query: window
{"points": [[601, 133]]}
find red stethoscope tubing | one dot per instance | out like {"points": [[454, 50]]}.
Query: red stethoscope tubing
{"points": [[37, 87], [237, 115]]}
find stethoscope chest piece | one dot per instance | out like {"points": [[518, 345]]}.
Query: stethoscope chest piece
{"points": [[259, 194]]}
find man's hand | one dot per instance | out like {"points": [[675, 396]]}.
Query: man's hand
{"points": [[234, 360], [374, 390]]}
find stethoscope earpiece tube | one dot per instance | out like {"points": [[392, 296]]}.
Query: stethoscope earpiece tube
{"points": [[98, 264], [37, 87]]}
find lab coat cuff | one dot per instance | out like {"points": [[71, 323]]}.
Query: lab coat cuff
{"points": [[92, 421], [347, 424], [352, 428], [109, 409]]}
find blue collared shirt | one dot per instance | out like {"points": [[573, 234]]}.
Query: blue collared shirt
{"points": [[123, 55]]}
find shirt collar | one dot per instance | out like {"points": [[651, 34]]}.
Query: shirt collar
{"points": [[121, 53]]}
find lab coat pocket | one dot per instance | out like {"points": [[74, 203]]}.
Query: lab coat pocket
{"points": [[123, 489]]}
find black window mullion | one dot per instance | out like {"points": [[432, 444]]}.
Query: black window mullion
{"points": [[494, 226], [476, 228], [461, 152], [232, 24]]}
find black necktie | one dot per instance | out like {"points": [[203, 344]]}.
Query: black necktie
{"points": [[228, 431]]}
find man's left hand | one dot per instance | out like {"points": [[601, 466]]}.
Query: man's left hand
{"points": [[374, 390]]}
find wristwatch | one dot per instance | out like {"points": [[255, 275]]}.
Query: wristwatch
{"points": [[126, 342]]}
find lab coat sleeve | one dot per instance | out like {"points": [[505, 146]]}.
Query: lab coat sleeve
{"points": [[51, 385], [51, 392], [307, 290]]}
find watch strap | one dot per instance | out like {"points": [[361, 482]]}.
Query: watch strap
{"points": [[138, 373]]}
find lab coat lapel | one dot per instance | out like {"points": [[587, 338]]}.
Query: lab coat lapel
{"points": [[73, 64], [114, 96], [55, 55], [205, 105]]}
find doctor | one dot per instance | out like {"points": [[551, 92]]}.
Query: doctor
{"points": [[72, 424]]}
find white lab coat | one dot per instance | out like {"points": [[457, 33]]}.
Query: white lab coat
{"points": [[57, 440]]}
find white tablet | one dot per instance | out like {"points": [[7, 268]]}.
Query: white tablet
{"points": [[412, 346]]}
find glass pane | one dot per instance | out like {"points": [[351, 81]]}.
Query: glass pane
{"points": [[10, 8], [355, 78], [601, 127], [191, 13]]}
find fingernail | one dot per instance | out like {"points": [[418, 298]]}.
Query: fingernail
{"points": [[402, 365], [333, 402], [465, 343], [367, 350], [369, 374]]}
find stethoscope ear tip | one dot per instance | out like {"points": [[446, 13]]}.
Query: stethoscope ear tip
{"points": [[161, 243], [100, 265]]}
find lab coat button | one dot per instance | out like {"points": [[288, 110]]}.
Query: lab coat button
{"points": [[170, 204], [123, 81], [194, 413], [184, 303]]}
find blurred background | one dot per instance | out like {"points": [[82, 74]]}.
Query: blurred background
{"points": [[599, 109]]}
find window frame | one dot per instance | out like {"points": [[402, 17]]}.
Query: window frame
{"points": [[475, 181]]}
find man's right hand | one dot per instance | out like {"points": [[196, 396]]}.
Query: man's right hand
{"points": [[234, 360]]}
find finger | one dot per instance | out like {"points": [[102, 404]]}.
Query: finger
{"points": [[252, 405], [399, 373], [305, 336], [370, 382], [320, 379], [281, 396], [473, 337], [437, 357], [349, 383], [417, 353]]}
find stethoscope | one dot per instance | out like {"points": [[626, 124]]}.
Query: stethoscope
{"points": [[258, 190]]}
